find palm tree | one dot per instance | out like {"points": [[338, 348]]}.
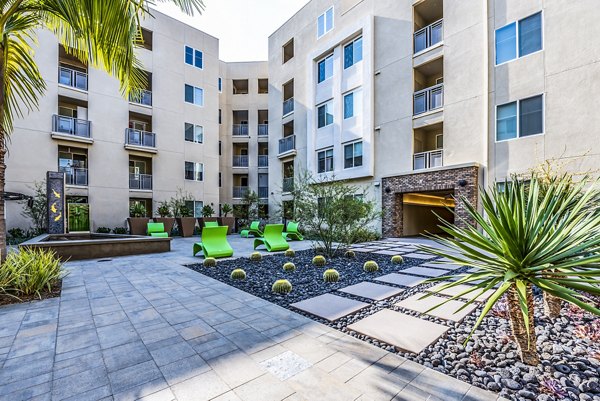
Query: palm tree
{"points": [[538, 234], [100, 33]]}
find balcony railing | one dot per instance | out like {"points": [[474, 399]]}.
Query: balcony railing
{"points": [[143, 97], [240, 160], [430, 159], [429, 99], [240, 192], [287, 144], [73, 78], [76, 176], [263, 192], [288, 184], [140, 138], [71, 126], [288, 106], [263, 130], [429, 36], [240, 130], [263, 161], [140, 181]]}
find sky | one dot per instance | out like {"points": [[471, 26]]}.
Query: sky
{"points": [[242, 26]]}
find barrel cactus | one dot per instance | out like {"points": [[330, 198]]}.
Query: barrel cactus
{"points": [[350, 254], [289, 267], [397, 259], [331, 276], [290, 253], [370, 266], [282, 287], [256, 256], [319, 260], [238, 274], [210, 262]]}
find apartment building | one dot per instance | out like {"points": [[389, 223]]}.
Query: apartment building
{"points": [[419, 102]]}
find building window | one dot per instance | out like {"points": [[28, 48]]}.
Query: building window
{"points": [[353, 155], [194, 133], [353, 53], [349, 105], [219, 179], [520, 119], [195, 207], [325, 68], [519, 39], [220, 84], [220, 145], [194, 57], [194, 95], [325, 114], [325, 161], [194, 171], [325, 22], [288, 51], [220, 117]]}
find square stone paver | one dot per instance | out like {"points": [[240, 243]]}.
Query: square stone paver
{"points": [[443, 266], [286, 365], [446, 311], [329, 307], [404, 332], [373, 291], [425, 271], [387, 252], [422, 256], [400, 279], [454, 291]]}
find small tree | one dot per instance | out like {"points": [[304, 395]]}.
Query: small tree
{"points": [[178, 203], [334, 211], [164, 209], [226, 209], [207, 211], [38, 212]]}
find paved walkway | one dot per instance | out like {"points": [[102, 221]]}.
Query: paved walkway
{"points": [[148, 328]]}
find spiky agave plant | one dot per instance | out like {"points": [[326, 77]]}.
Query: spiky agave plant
{"points": [[549, 240]]}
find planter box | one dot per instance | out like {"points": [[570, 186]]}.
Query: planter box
{"points": [[229, 222], [168, 222], [186, 226], [138, 225], [202, 220]]}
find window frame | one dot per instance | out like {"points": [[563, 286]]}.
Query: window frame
{"points": [[194, 126], [324, 60], [324, 104], [324, 151], [325, 20], [517, 34], [353, 44], [193, 209], [518, 102], [195, 172], [362, 154], [194, 56], [194, 89], [354, 111], [220, 84]]}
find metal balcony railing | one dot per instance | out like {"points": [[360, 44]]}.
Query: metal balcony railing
{"points": [[429, 99], [263, 161], [144, 97], [287, 144], [263, 130], [73, 78], [288, 184], [430, 159], [71, 126], [140, 138], [288, 106], [263, 192], [240, 130], [240, 160], [140, 181], [429, 36], [240, 192], [76, 176]]}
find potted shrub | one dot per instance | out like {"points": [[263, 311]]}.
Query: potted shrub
{"points": [[227, 220], [137, 220], [166, 216], [186, 222], [207, 215]]}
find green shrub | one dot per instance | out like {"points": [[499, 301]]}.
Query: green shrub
{"points": [[331, 276], [319, 261], [370, 266], [238, 274], [397, 259], [103, 230], [256, 256], [289, 267], [120, 230], [364, 235], [29, 272], [350, 254], [282, 287], [210, 262], [290, 253]]}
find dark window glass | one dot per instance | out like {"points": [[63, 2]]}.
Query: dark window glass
{"points": [[531, 116], [198, 59], [530, 34], [189, 94], [189, 132], [189, 55], [348, 55]]}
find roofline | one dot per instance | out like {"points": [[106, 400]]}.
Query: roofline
{"points": [[289, 19]]}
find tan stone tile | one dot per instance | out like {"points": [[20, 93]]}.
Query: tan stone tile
{"points": [[236, 368], [446, 311], [334, 361], [264, 388], [315, 384]]}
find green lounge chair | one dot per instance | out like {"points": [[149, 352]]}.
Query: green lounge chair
{"points": [[292, 233], [214, 243], [254, 230], [157, 230], [272, 239], [211, 224]]}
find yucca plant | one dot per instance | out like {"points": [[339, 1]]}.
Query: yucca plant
{"points": [[30, 272], [527, 238]]}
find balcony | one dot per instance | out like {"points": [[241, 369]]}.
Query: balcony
{"points": [[263, 130], [144, 98], [288, 106], [240, 160], [287, 144], [429, 99], [263, 161], [140, 182], [288, 184], [76, 176], [71, 128], [240, 130], [430, 159], [429, 36], [263, 192], [73, 78], [135, 139], [240, 192]]}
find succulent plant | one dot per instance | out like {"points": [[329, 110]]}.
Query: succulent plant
{"points": [[289, 267], [210, 262], [319, 250], [331, 276], [256, 256], [553, 387], [370, 266], [397, 259], [282, 287], [238, 274], [500, 309], [588, 331], [290, 253], [350, 254], [319, 260]]}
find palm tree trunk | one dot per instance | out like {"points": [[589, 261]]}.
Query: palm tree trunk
{"points": [[552, 306], [3, 138], [525, 339]]}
